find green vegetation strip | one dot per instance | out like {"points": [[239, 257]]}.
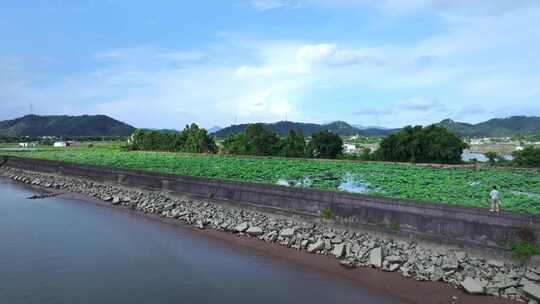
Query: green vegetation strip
{"points": [[520, 188]]}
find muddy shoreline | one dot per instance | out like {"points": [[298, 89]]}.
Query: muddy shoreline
{"points": [[392, 283]]}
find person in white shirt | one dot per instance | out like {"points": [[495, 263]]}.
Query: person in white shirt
{"points": [[495, 201]]}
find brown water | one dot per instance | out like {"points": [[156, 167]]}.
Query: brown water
{"points": [[59, 250]]}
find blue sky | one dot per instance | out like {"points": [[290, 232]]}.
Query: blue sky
{"points": [[163, 64]]}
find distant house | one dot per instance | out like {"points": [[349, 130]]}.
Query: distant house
{"points": [[24, 144], [60, 144], [349, 148]]}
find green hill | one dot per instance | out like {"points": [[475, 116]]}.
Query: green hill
{"points": [[62, 125], [282, 128], [496, 127]]}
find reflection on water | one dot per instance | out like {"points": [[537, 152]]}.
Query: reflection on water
{"points": [[305, 182], [467, 156], [58, 250], [349, 184]]}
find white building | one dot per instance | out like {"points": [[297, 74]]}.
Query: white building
{"points": [[349, 148], [24, 144], [60, 144]]}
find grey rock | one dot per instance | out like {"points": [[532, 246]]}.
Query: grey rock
{"points": [[199, 224], [315, 246], [254, 231], [450, 263], [393, 267], [495, 263], [510, 291], [532, 276], [287, 232], [460, 255], [116, 200], [531, 289], [347, 263], [336, 240], [169, 206], [339, 250], [376, 257], [472, 286], [393, 259], [327, 244], [242, 227]]}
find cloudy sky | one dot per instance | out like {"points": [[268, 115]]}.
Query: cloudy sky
{"points": [[162, 64]]}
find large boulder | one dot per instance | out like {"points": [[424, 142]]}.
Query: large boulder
{"points": [[531, 289], [242, 227], [339, 250], [116, 200], [254, 231], [287, 232], [472, 286], [376, 257], [315, 246], [394, 259]]}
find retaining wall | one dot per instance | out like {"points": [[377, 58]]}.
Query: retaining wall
{"points": [[435, 220]]}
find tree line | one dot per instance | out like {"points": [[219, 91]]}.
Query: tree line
{"points": [[528, 157], [254, 140], [257, 140], [192, 140], [415, 144]]}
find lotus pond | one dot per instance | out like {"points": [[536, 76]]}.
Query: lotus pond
{"points": [[519, 188]]}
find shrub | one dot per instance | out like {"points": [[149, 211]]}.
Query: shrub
{"points": [[395, 227], [327, 213], [524, 250], [528, 157], [491, 156]]}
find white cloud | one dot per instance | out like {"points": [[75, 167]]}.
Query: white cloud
{"points": [[264, 5], [418, 104]]}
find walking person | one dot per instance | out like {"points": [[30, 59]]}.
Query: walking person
{"points": [[495, 200]]}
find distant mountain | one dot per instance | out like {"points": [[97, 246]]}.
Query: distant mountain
{"points": [[214, 129], [496, 127], [362, 127], [282, 127], [163, 131], [377, 131], [62, 125]]}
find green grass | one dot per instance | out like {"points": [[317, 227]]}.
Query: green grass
{"points": [[327, 213], [520, 188], [524, 250]]}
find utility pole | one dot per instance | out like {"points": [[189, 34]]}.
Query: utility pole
{"points": [[31, 109]]}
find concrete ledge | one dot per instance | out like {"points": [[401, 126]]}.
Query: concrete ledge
{"points": [[435, 220]]}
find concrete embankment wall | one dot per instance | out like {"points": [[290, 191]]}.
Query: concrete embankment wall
{"points": [[435, 220]]}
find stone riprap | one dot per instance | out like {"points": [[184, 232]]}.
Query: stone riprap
{"points": [[354, 249]]}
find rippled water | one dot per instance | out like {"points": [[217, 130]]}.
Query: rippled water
{"points": [[58, 250]]}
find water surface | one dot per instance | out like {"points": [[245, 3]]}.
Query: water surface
{"points": [[59, 250]]}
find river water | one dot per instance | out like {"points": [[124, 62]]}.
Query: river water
{"points": [[60, 250]]}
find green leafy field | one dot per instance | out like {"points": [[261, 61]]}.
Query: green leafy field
{"points": [[520, 188]]}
